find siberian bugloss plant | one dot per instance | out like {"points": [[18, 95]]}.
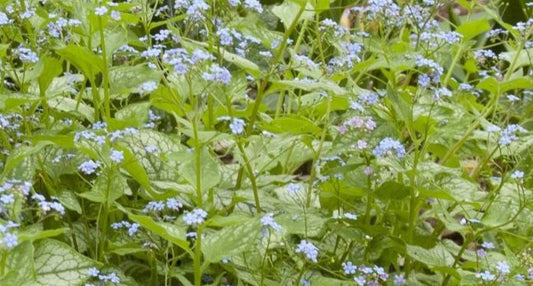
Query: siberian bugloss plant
{"points": [[244, 142]]}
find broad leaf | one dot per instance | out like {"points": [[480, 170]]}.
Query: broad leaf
{"points": [[58, 264]]}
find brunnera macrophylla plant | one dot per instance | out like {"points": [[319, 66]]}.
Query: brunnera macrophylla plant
{"points": [[244, 142]]}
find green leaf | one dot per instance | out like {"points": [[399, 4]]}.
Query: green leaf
{"points": [[288, 11], [209, 171], [524, 57], [20, 265], [436, 256], [322, 85], [302, 223], [127, 79], [392, 190], [132, 166], [58, 264], [472, 28], [168, 231], [70, 105], [52, 68], [231, 240], [36, 233], [68, 199], [157, 164], [21, 157], [108, 187], [293, 124], [83, 59], [135, 114], [321, 5]]}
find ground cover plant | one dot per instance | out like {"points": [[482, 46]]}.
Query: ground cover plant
{"points": [[239, 142]]}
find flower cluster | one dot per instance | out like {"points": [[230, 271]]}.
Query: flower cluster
{"points": [[159, 206], [375, 275], [357, 122], [508, 134], [195, 217], [308, 249], [268, 221], [131, 227], [47, 206], [112, 277], [9, 238], [387, 146]]}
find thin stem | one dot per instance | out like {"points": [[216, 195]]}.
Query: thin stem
{"points": [[105, 76], [197, 264], [251, 176]]}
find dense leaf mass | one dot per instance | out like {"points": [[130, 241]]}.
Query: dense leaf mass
{"points": [[279, 142]]}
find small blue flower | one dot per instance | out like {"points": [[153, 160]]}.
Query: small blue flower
{"points": [[237, 126], [88, 167], [486, 276], [10, 240], [194, 218], [268, 220], [93, 272], [217, 74], [387, 145], [117, 156], [399, 279], [349, 268], [307, 248], [517, 175], [503, 267]]}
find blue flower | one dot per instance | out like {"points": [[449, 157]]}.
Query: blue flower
{"points": [[194, 218], [117, 156], [307, 248], [217, 74], [10, 240], [387, 146], [268, 220], [88, 167], [349, 268], [237, 126]]}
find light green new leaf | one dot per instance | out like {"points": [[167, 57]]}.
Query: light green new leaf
{"points": [[58, 264], [83, 59], [473, 28], [52, 68], [231, 240]]}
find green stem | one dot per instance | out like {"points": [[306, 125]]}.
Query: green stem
{"points": [[197, 264], [251, 176], [452, 66], [105, 76]]}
